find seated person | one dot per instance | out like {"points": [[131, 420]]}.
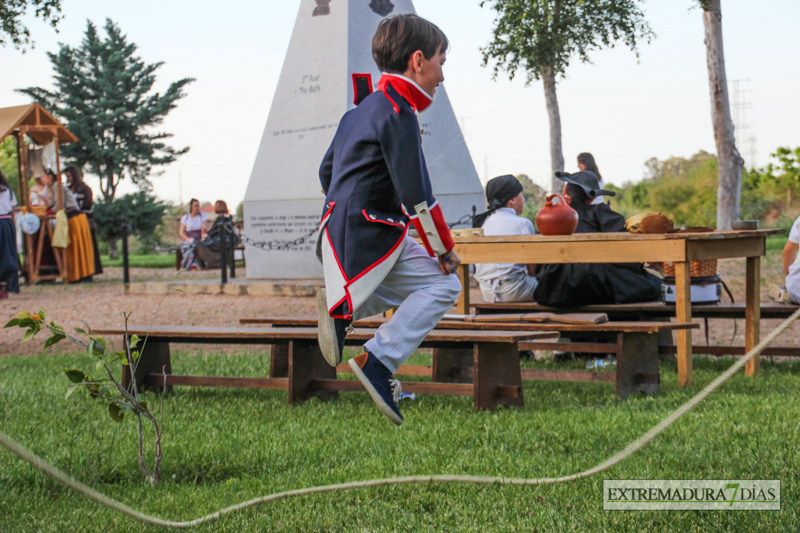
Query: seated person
{"points": [[586, 162], [192, 230], [210, 252], [577, 284], [791, 262], [502, 282], [221, 210], [38, 193]]}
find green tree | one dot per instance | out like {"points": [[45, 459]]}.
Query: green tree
{"points": [[540, 37], [534, 197], [8, 164], [11, 13], [758, 198], [688, 198], [786, 174], [103, 94], [142, 211]]}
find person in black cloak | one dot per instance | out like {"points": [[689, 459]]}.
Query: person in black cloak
{"points": [[577, 284]]}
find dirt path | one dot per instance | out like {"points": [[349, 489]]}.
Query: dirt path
{"points": [[102, 303]]}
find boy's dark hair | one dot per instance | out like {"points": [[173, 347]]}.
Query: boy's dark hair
{"points": [[400, 36]]}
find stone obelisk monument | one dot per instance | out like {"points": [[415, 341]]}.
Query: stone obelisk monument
{"points": [[331, 41]]}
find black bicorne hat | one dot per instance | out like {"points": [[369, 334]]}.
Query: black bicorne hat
{"points": [[586, 180]]}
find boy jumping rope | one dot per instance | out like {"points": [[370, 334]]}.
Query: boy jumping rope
{"points": [[376, 184]]}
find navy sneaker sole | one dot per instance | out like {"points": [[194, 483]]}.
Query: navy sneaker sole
{"points": [[326, 331], [384, 407]]}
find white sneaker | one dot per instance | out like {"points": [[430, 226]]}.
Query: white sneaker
{"points": [[778, 294]]}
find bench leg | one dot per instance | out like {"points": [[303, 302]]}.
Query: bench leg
{"points": [[279, 361], [495, 364], [637, 364], [447, 363], [305, 365], [665, 336], [154, 359]]}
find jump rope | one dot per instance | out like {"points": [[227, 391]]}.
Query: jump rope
{"points": [[623, 454]]}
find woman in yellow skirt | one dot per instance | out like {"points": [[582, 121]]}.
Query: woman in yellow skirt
{"points": [[79, 252]]}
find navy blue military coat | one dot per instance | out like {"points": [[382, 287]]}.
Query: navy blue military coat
{"points": [[376, 183]]}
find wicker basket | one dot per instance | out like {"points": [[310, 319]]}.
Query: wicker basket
{"points": [[697, 269]]}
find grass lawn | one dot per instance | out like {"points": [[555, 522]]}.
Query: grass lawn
{"points": [[224, 446], [142, 261]]}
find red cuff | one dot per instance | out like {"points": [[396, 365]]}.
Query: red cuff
{"points": [[442, 228], [422, 236]]}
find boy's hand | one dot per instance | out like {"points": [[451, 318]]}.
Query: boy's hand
{"points": [[448, 263]]}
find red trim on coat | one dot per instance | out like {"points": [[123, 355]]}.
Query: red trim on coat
{"points": [[346, 279], [441, 227], [337, 305], [327, 213], [355, 85], [422, 236], [382, 221], [378, 262], [338, 263], [417, 99]]}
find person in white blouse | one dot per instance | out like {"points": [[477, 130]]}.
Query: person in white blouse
{"points": [[38, 193], [192, 230], [501, 282], [791, 262]]}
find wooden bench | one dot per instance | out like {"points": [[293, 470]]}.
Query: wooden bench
{"points": [[660, 310], [495, 364], [635, 345]]}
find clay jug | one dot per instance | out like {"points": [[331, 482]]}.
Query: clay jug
{"points": [[556, 218]]}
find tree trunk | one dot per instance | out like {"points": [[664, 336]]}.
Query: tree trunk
{"points": [[729, 161], [556, 156], [113, 250]]}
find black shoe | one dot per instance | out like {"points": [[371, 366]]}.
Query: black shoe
{"points": [[380, 384], [330, 331]]}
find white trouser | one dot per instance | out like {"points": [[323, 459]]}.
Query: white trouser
{"points": [[795, 296], [519, 289], [423, 295], [793, 282]]}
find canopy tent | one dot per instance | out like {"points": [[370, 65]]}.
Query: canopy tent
{"points": [[42, 128], [34, 121]]}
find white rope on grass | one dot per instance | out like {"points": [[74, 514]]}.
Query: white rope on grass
{"points": [[608, 463]]}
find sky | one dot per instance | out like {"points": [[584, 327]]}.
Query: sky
{"points": [[623, 109]]}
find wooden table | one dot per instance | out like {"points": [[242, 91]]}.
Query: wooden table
{"points": [[678, 248]]}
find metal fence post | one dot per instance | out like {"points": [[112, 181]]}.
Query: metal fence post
{"points": [[223, 254], [126, 276], [232, 251]]}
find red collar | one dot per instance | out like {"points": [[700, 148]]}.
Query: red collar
{"points": [[413, 93]]}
